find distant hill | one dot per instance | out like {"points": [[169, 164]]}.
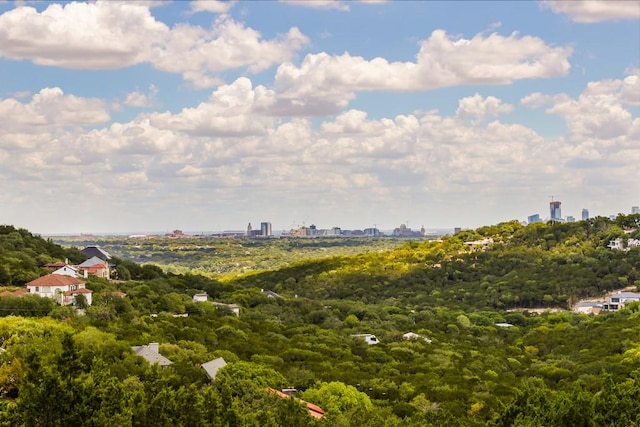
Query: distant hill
{"points": [[507, 265]]}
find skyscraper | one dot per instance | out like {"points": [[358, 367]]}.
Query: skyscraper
{"points": [[554, 209], [533, 218], [265, 229], [585, 214], [635, 209]]}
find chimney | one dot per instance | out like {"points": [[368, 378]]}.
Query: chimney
{"points": [[86, 274], [154, 346]]}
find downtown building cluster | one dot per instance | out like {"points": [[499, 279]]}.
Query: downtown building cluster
{"points": [[555, 214]]}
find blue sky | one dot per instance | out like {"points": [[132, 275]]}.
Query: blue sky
{"points": [[155, 115]]}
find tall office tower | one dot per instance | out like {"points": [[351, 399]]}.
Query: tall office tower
{"points": [[265, 229], [570, 218], [585, 214], [249, 229], [635, 209], [554, 209], [533, 218]]}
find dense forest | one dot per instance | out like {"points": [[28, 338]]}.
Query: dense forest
{"points": [[479, 355]]}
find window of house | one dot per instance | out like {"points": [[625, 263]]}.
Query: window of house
{"points": [[37, 288], [615, 299]]}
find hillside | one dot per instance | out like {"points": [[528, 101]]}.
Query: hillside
{"points": [[473, 362], [499, 267], [22, 255]]}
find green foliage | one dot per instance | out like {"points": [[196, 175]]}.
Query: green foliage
{"points": [[22, 255], [27, 306], [554, 369]]}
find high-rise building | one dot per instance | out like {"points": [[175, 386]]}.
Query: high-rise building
{"points": [[635, 209], [265, 229], [555, 211], [570, 218], [585, 214], [533, 218]]}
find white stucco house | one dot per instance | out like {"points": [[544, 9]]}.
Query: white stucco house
{"points": [[618, 300], [68, 270], [368, 338], [619, 245], [60, 288], [95, 267], [201, 297]]}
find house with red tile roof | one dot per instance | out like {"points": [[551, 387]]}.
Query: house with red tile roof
{"points": [[95, 267], [55, 265], [56, 287], [314, 410]]}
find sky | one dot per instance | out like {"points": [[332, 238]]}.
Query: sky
{"points": [[122, 116]]}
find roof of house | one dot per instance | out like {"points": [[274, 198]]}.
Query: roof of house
{"points": [[414, 336], [213, 366], [56, 264], [151, 355], [314, 410], [93, 262], [55, 280], [94, 267], [17, 293], [409, 335], [70, 267], [504, 325], [626, 295], [271, 294], [96, 251]]}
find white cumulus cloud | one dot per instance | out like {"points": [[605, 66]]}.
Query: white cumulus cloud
{"points": [[142, 100], [590, 11], [50, 108], [108, 35], [213, 6], [326, 83], [478, 108], [598, 112]]}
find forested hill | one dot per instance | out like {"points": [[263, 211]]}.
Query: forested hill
{"points": [[22, 255], [496, 267], [448, 351]]}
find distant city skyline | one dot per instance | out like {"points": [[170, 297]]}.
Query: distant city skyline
{"points": [[120, 116], [267, 229]]}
